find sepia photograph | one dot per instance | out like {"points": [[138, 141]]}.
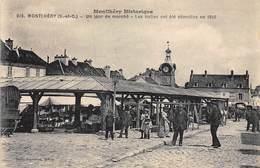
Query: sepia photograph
{"points": [[130, 84]]}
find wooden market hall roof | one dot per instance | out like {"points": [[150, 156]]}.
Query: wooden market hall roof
{"points": [[91, 84]]}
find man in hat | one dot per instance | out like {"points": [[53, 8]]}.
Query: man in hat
{"points": [[215, 120], [180, 119]]}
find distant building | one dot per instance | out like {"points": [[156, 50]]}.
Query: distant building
{"points": [[63, 65], [236, 87], [256, 96], [18, 62], [165, 75]]}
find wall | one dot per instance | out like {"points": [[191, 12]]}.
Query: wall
{"points": [[20, 71], [232, 93]]}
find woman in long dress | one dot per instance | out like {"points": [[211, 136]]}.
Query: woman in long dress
{"points": [[164, 128]]}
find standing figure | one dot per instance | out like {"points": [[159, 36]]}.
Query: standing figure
{"points": [[252, 118], [237, 114], [164, 128], [248, 117], [146, 125], [126, 122], [258, 119], [180, 119], [215, 120], [109, 125]]}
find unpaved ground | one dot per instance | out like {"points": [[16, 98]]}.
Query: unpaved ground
{"points": [[90, 150]]}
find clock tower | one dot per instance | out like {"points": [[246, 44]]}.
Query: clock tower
{"points": [[167, 69]]}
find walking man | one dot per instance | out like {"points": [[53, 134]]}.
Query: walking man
{"points": [[215, 120], [109, 125], [180, 119]]}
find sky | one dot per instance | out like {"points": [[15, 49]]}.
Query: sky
{"points": [[231, 41]]}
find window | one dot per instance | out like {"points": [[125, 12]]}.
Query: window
{"points": [[240, 86], [224, 85], [27, 74], [37, 72], [9, 72], [240, 96], [209, 84]]}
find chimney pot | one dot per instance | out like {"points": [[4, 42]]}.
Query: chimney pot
{"points": [[74, 61], [9, 43], [121, 71], [48, 59], [107, 71], [191, 74], [206, 73], [232, 72]]}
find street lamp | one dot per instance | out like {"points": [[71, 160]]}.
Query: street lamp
{"points": [[115, 81]]}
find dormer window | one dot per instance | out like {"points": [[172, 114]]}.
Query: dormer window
{"points": [[224, 85], [209, 84], [240, 86]]}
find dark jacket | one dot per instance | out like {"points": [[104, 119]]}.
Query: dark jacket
{"points": [[126, 119], [109, 121], [180, 119], [214, 116]]}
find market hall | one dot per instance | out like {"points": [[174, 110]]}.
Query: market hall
{"points": [[108, 91]]}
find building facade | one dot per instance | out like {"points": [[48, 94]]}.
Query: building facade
{"points": [[256, 96], [165, 75], [18, 62], [236, 87]]}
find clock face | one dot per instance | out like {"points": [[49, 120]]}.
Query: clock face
{"points": [[165, 69]]}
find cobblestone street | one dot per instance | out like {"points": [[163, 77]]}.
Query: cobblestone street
{"points": [[197, 152], [90, 150]]}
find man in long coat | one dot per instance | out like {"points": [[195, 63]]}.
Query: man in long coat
{"points": [[180, 119], [252, 118], [215, 120]]}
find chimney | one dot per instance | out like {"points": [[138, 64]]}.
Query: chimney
{"points": [[74, 61], [191, 74], [89, 61], [48, 59], [206, 73], [65, 58], [232, 73], [121, 71], [247, 74], [107, 71], [9, 43]]}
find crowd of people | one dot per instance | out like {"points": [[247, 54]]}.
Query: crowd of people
{"points": [[177, 121]]}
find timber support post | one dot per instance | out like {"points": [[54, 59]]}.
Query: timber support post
{"points": [[77, 108], [157, 111], [36, 96]]}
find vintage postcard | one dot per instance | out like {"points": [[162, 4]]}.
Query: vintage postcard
{"points": [[141, 83]]}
